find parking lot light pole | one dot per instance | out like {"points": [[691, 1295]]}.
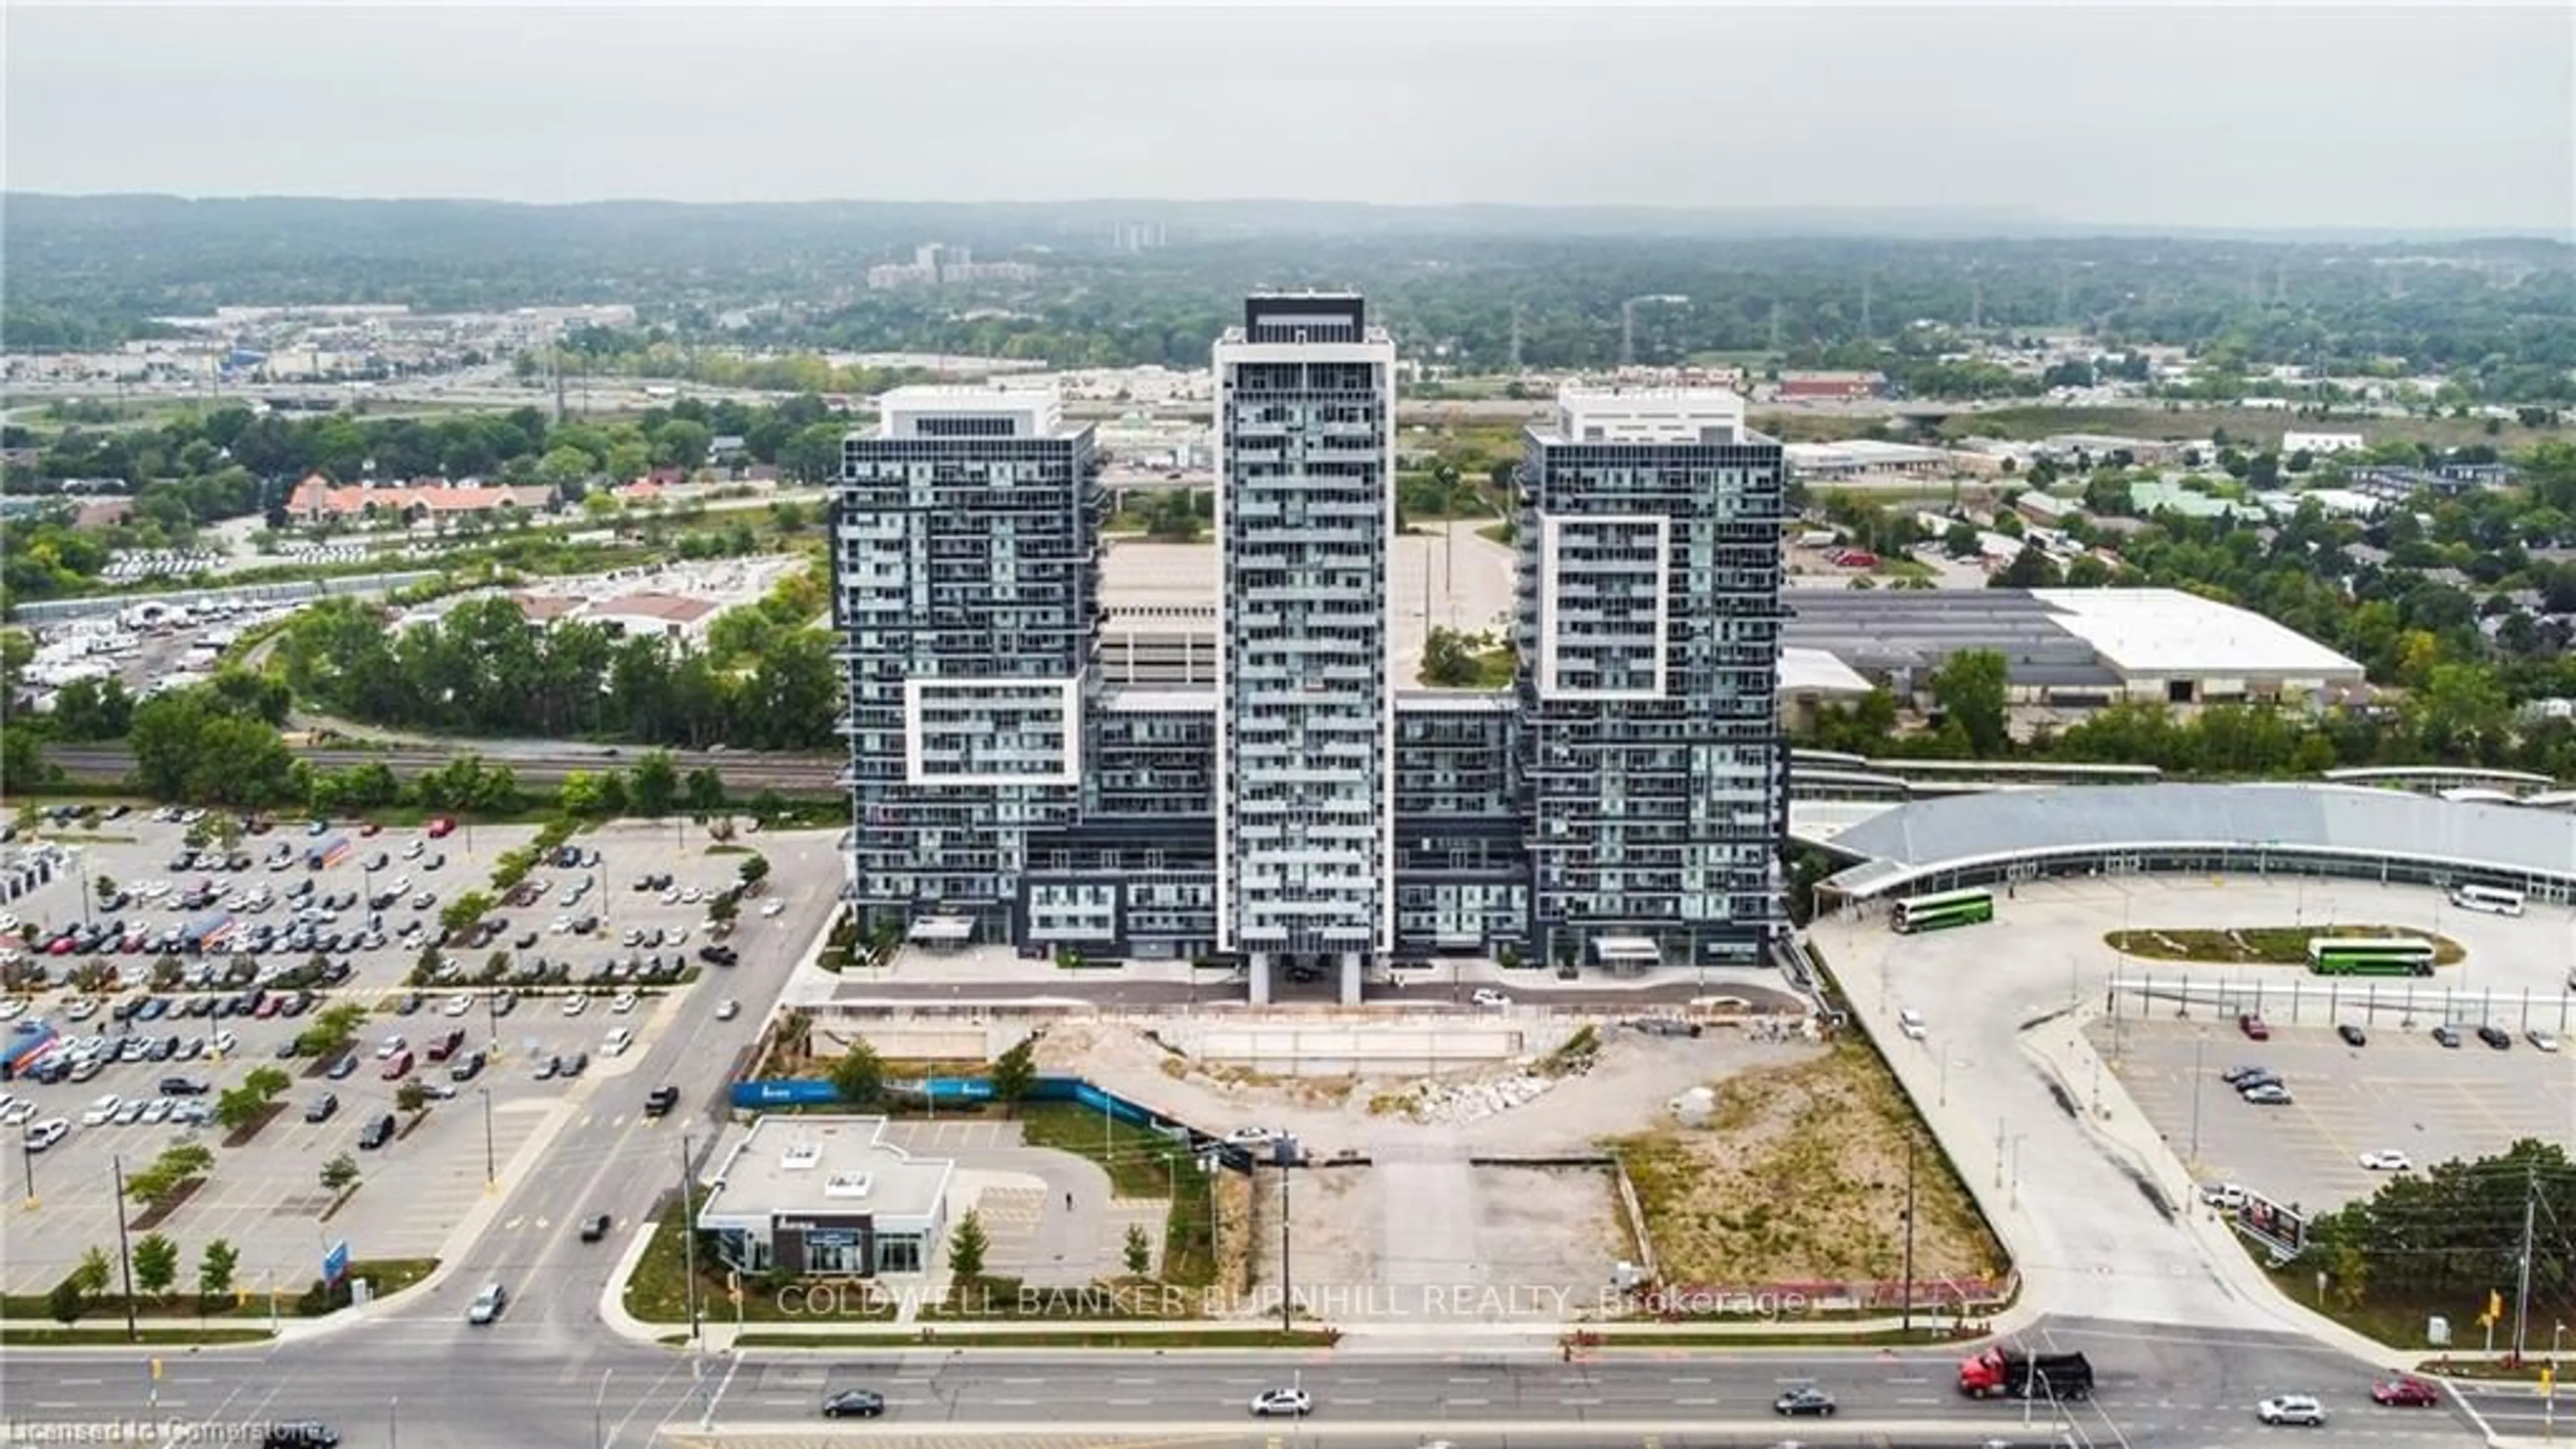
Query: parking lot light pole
{"points": [[491, 1169], [27, 1154], [689, 1241], [125, 1252], [2199, 1052]]}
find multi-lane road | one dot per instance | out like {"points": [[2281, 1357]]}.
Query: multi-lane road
{"points": [[422, 1378]]}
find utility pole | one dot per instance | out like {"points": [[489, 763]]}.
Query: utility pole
{"points": [[1287, 1282], [1516, 337], [2522, 1285], [1908, 1323], [125, 1253], [1865, 290], [689, 1239]]}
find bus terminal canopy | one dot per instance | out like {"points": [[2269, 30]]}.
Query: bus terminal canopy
{"points": [[1934, 844], [942, 931], [1627, 953]]}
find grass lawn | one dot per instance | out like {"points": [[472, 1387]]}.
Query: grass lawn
{"points": [[15, 1335], [657, 1291], [2261, 945]]}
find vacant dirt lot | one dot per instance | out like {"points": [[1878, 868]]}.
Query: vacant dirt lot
{"points": [[1798, 1174]]}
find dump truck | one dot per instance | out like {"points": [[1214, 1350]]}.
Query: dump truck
{"points": [[2009, 1373]]}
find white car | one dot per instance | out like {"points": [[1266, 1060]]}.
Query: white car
{"points": [[692, 896], [2297, 1409], [12, 1008], [671, 897], [390, 1048], [413, 850], [2387, 1162], [19, 1114], [101, 1111], [728, 1009], [576, 1004], [1252, 1136], [561, 925], [80, 1009], [1911, 1023], [1488, 996], [46, 1133], [617, 1042], [2222, 1195], [2541, 1041], [1282, 1403], [676, 936], [773, 905], [158, 1111], [624, 1003], [459, 1005]]}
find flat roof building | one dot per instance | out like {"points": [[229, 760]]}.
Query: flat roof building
{"points": [[827, 1197]]}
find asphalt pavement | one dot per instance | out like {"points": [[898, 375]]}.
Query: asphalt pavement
{"points": [[422, 1378]]}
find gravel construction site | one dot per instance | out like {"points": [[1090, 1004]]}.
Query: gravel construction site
{"points": [[1451, 1207]]}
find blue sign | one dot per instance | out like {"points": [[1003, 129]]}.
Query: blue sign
{"points": [[784, 1094], [957, 1089], [335, 1263]]}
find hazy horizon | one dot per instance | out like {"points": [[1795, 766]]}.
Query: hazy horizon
{"points": [[2145, 118]]}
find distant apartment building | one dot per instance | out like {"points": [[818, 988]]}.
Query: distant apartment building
{"points": [[2321, 445], [317, 499], [966, 589], [937, 264], [1651, 761]]}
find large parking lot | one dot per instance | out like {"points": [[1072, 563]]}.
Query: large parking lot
{"points": [[240, 984], [2402, 1092]]}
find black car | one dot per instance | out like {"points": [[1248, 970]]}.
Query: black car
{"points": [[2352, 1035], [376, 1133], [299, 1436], [1804, 1403], [854, 1404], [182, 1087], [322, 1108], [467, 1068], [660, 1101], [2496, 1036], [2448, 1036]]}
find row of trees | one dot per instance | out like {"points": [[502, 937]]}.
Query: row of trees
{"points": [[483, 670], [155, 1261], [2445, 1237]]}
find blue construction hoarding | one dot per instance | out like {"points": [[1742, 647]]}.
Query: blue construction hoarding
{"points": [[938, 1091]]}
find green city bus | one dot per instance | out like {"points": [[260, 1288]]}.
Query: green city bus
{"points": [[1946, 908], [2369, 956]]}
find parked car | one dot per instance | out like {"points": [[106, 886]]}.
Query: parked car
{"points": [[376, 1133], [2387, 1162], [2541, 1040], [2496, 1037], [2254, 1028], [321, 1108], [2352, 1035], [2447, 1035]]}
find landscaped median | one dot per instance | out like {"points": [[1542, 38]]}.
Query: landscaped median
{"points": [[2264, 945], [79, 1311]]}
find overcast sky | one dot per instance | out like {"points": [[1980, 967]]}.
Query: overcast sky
{"points": [[2142, 114]]}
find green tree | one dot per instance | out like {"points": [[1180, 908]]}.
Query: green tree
{"points": [[1972, 689], [967, 1246], [1015, 1072], [411, 1096], [655, 785], [156, 1264], [215, 1268], [66, 1302], [859, 1076], [339, 1172], [460, 914], [334, 1030], [1139, 1251], [753, 870], [1447, 661], [93, 1273], [705, 791]]}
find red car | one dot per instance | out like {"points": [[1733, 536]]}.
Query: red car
{"points": [[441, 828], [2403, 1393], [371, 828], [2253, 1027]]}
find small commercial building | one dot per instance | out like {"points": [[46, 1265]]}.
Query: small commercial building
{"points": [[827, 1197]]}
